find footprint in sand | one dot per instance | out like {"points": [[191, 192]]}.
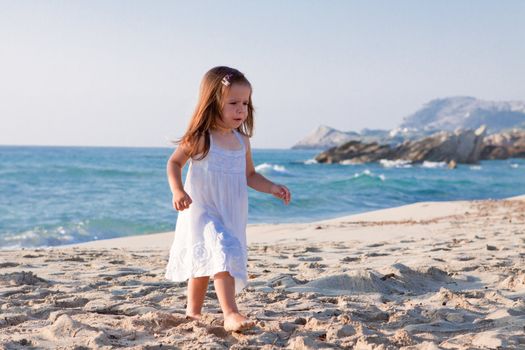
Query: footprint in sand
{"points": [[19, 278], [374, 254], [310, 258], [8, 264], [75, 258], [312, 250], [350, 258], [465, 258], [438, 249], [283, 281], [373, 245], [314, 265]]}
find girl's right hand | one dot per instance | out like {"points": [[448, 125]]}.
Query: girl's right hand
{"points": [[181, 200]]}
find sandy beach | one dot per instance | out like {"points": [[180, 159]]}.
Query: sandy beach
{"points": [[433, 275]]}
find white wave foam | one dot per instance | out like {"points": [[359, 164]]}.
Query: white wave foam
{"points": [[347, 162], [433, 165], [368, 173], [398, 163], [41, 237], [267, 167], [310, 161], [514, 165], [475, 167]]}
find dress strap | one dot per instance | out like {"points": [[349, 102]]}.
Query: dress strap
{"points": [[240, 138]]}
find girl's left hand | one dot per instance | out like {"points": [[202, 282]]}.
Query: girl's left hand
{"points": [[281, 192]]}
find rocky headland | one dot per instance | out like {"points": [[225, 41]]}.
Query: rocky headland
{"points": [[460, 146], [443, 114]]}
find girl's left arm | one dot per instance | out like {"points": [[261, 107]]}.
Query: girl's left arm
{"points": [[259, 182]]}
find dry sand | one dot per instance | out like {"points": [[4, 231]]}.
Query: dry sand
{"points": [[444, 275]]}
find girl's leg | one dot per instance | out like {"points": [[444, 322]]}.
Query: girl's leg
{"points": [[225, 289], [197, 288]]}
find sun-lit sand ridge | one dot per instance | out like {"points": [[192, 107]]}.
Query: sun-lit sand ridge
{"points": [[447, 274]]}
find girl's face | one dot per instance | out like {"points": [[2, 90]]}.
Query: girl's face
{"points": [[235, 107]]}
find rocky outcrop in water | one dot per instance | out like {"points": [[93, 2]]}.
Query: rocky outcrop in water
{"points": [[504, 145], [356, 152], [460, 146]]}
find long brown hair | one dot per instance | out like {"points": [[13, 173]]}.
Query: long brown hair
{"points": [[214, 86]]}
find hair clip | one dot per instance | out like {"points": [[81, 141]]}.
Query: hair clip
{"points": [[226, 80]]}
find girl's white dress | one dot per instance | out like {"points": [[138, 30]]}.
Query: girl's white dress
{"points": [[210, 236]]}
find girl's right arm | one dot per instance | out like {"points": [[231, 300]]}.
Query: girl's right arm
{"points": [[180, 199]]}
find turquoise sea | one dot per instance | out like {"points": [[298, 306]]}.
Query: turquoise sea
{"points": [[51, 196]]}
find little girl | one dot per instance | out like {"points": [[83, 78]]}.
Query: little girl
{"points": [[210, 234]]}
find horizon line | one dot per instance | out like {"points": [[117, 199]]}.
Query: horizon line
{"points": [[114, 146]]}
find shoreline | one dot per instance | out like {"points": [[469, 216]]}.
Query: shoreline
{"points": [[258, 233], [254, 230]]}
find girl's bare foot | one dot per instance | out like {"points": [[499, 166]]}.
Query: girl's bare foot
{"points": [[235, 322], [194, 317]]}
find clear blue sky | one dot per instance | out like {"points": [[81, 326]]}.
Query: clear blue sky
{"points": [[126, 73]]}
